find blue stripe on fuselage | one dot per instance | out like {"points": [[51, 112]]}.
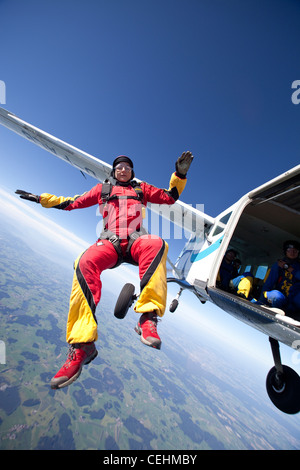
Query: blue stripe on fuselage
{"points": [[207, 251]]}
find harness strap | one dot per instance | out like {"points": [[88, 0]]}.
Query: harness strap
{"points": [[112, 237], [107, 188], [133, 237], [115, 240]]}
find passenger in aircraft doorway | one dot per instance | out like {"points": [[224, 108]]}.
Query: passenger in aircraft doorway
{"points": [[227, 270], [281, 288], [123, 239], [229, 278]]}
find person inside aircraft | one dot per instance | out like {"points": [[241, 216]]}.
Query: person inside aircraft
{"points": [[229, 278], [242, 285], [236, 267], [281, 288], [227, 269], [123, 240]]}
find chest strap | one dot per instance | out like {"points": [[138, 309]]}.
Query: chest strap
{"points": [[107, 189], [115, 240]]}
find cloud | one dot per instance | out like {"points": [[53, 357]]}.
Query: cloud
{"points": [[49, 238], [40, 232]]}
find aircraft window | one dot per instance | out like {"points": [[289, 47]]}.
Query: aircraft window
{"points": [[221, 224], [261, 272]]}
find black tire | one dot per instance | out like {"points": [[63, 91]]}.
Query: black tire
{"points": [[125, 300], [173, 305], [286, 397]]}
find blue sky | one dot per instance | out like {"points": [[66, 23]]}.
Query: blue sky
{"points": [[151, 79]]}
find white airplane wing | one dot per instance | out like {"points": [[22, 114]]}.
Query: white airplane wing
{"points": [[181, 214], [79, 159]]}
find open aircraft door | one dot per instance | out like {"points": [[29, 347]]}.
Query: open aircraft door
{"points": [[260, 223], [204, 260], [258, 226]]}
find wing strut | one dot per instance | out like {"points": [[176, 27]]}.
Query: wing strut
{"points": [[276, 356]]}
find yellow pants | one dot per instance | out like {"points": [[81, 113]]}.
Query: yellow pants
{"points": [[245, 286], [148, 251]]}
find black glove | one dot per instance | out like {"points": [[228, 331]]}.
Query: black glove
{"points": [[28, 196], [183, 164]]}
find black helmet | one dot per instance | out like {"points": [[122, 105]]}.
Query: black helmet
{"points": [[291, 243], [120, 159]]}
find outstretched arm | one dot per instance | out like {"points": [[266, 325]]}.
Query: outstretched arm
{"points": [[176, 185], [183, 164], [47, 200], [28, 196], [178, 179]]}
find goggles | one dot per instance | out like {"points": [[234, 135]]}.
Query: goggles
{"points": [[292, 247], [121, 166]]}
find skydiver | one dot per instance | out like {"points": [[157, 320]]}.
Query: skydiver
{"points": [[123, 239]]}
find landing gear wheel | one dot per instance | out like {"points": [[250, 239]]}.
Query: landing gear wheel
{"points": [[175, 302], [173, 305], [125, 300], [284, 389]]}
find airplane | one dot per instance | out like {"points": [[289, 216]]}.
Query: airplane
{"points": [[255, 226]]}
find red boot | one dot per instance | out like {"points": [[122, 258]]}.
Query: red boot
{"points": [[79, 355], [146, 327]]}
